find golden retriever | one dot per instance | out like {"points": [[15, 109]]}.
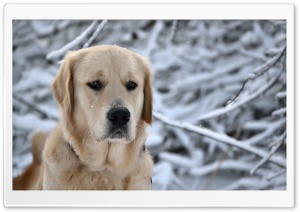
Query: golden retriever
{"points": [[105, 98]]}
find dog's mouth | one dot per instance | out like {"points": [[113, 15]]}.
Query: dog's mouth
{"points": [[115, 134]]}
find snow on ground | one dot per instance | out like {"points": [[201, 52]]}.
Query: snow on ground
{"points": [[215, 83]]}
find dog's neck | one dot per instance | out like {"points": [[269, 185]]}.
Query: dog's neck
{"points": [[103, 155]]}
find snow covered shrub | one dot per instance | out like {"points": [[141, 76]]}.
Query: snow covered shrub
{"points": [[219, 95]]}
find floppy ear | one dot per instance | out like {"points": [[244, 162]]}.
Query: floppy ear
{"points": [[63, 87], [147, 106]]}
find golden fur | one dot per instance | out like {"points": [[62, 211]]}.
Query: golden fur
{"points": [[29, 177], [78, 154]]}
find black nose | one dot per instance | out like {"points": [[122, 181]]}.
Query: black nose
{"points": [[119, 116]]}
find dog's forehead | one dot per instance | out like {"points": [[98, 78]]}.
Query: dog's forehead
{"points": [[109, 61]]}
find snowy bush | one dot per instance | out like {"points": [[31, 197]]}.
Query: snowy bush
{"points": [[219, 95]]}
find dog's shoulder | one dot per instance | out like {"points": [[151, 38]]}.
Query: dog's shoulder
{"points": [[58, 151]]}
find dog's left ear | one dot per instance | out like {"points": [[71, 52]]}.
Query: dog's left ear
{"points": [[147, 107], [63, 87]]}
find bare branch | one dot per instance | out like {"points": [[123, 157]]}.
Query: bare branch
{"points": [[224, 155], [214, 174]]}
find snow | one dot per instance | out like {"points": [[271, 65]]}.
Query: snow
{"points": [[30, 122], [198, 67], [279, 112], [281, 95], [153, 140], [32, 79]]}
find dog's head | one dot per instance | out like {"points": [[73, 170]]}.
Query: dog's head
{"points": [[104, 92]]}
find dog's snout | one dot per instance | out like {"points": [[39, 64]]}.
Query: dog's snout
{"points": [[119, 116]]}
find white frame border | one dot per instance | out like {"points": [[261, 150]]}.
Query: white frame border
{"points": [[147, 198]]}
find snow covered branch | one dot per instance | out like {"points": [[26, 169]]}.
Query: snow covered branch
{"points": [[272, 176], [232, 106], [226, 165], [278, 142], [281, 111], [60, 52], [153, 38], [97, 31], [269, 129], [173, 31], [259, 71], [221, 138], [35, 108], [197, 66], [281, 95]]}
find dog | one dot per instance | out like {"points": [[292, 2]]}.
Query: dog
{"points": [[105, 98]]}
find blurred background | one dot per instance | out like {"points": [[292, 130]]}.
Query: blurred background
{"points": [[219, 95]]}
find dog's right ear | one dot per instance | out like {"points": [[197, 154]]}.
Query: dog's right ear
{"points": [[63, 85], [147, 106]]}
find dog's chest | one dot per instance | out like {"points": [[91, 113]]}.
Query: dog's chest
{"points": [[87, 180]]}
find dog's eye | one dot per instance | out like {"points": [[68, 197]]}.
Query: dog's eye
{"points": [[131, 85], [95, 85]]}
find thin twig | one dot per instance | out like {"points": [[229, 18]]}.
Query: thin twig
{"points": [[275, 175], [35, 108], [173, 31], [214, 174], [258, 72], [223, 157], [279, 141]]}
